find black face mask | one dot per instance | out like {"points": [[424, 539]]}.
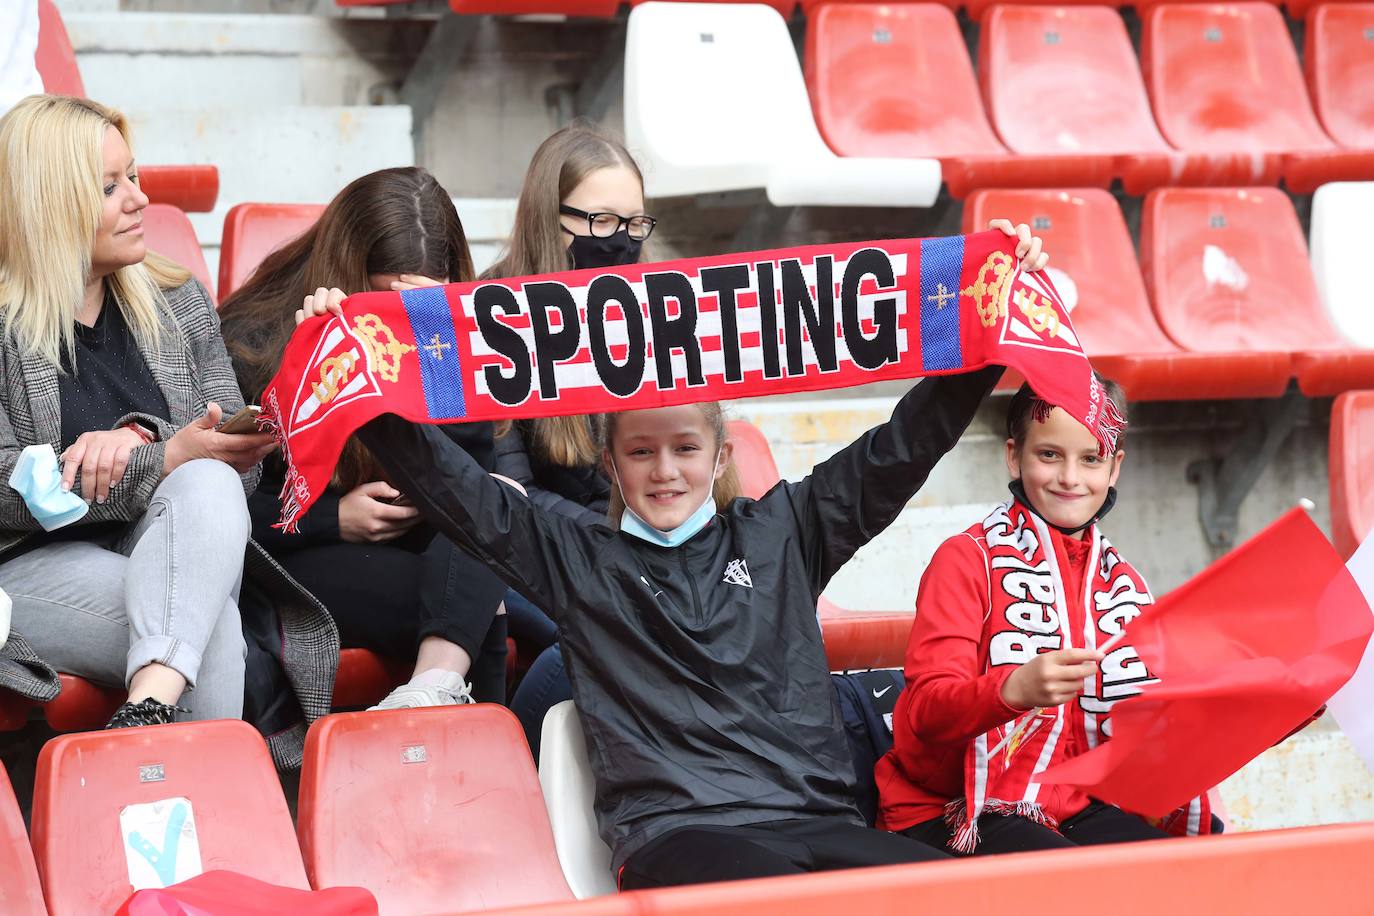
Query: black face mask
{"points": [[614, 251], [1019, 491]]}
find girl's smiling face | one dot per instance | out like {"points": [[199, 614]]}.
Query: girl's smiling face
{"points": [[1061, 470], [665, 462]]}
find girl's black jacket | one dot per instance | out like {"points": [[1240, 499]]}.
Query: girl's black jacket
{"points": [[698, 671]]}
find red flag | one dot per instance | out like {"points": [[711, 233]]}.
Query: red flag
{"points": [[677, 332], [1245, 652]]}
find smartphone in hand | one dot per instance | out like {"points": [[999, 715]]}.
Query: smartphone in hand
{"points": [[245, 421]]}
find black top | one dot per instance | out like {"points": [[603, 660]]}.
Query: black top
{"points": [[110, 379], [580, 493], [698, 671]]}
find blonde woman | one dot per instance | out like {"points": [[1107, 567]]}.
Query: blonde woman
{"points": [[114, 357]]}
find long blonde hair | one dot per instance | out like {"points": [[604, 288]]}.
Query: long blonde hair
{"points": [[724, 490], [537, 246], [50, 210]]}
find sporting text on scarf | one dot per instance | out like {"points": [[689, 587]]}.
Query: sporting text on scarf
{"points": [[679, 332]]}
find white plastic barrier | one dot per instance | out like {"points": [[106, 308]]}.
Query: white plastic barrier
{"points": [[569, 790], [715, 101], [1339, 244]]}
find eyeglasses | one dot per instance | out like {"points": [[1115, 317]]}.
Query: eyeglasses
{"points": [[605, 225]]}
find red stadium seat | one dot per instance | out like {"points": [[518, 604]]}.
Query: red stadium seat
{"points": [[252, 232], [1340, 71], [20, 892], [193, 188], [753, 459], [432, 810], [80, 706], [1227, 270], [168, 232], [1352, 470], [85, 781], [596, 8], [868, 68], [364, 678], [55, 58], [1079, 63], [1087, 236], [853, 639], [1227, 89]]}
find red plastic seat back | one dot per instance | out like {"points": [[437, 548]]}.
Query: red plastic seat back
{"points": [[1227, 270], [753, 459], [55, 58], [168, 232], [1352, 469], [432, 810], [1078, 59], [252, 232], [20, 892], [1340, 70], [1086, 232], [1225, 78], [894, 80], [221, 767]]}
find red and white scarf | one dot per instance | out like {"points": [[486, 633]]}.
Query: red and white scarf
{"points": [[1029, 613], [679, 332]]}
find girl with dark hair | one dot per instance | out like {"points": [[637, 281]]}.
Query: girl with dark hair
{"points": [[391, 585]]}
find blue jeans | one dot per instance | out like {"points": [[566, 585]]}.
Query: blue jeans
{"points": [[544, 687], [527, 624]]}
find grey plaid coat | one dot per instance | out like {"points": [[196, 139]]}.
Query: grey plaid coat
{"points": [[192, 369]]}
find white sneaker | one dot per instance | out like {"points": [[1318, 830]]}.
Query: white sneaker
{"points": [[449, 690]]}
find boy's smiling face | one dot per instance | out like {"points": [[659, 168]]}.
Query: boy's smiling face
{"points": [[1059, 466], [665, 462]]}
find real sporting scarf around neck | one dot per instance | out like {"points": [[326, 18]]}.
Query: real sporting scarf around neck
{"points": [[1030, 613], [677, 332]]}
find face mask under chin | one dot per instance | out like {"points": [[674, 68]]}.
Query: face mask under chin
{"points": [[618, 250]]}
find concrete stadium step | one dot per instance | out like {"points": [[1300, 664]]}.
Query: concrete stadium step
{"points": [[280, 154], [144, 62]]}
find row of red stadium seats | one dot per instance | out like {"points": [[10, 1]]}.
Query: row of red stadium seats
{"points": [[373, 786], [607, 8], [1204, 114], [1059, 100]]}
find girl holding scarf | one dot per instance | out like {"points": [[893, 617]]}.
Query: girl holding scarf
{"points": [[689, 628], [1014, 662]]}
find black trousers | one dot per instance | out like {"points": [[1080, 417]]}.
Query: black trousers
{"points": [[694, 855], [387, 597], [1096, 825]]}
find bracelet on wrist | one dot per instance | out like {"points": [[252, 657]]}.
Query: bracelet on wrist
{"points": [[142, 432]]}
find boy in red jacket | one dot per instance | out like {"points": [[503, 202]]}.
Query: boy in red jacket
{"points": [[1013, 665]]}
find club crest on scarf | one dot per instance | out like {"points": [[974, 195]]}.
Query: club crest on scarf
{"points": [[348, 364], [651, 335]]}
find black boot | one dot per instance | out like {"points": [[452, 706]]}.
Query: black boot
{"points": [[145, 712]]}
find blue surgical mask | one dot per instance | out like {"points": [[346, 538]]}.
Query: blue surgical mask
{"points": [[38, 479], [632, 524]]}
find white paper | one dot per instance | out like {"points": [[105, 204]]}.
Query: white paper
{"points": [[160, 843], [1353, 705]]}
